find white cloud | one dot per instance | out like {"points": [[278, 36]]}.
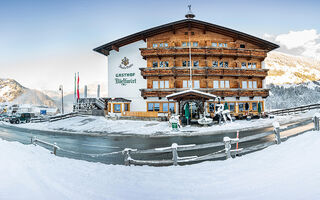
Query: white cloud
{"points": [[303, 43]]}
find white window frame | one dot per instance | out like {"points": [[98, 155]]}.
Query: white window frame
{"points": [[161, 84], [195, 44], [155, 85], [216, 84], [244, 85], [227, 84], [214, 44], [196, 84], [154, 45], [221, 83], [185, 84], [254, 84], [166, 84], [250, 84]]}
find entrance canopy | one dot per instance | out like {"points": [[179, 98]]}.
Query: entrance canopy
{"points": [[191, 95]]}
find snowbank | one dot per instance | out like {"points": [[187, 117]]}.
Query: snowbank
{"points": [[102, 126], [287, 171]]}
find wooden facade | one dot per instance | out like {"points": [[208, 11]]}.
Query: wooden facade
{"points": [[224, 62]]}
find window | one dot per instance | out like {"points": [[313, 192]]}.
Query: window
{"points": [[211, 107], [184, 63], [221, 84], [161, 45], [155, 85], [154, 64], [154, 45], [161, 84], [246, 106], [242, 46], [192, 33], [254, 84], [185, 84], [171, 107], [249, 65], [214, 44], [165, 107], [186, 33], [244, 84], [225, 45], [161, 63], [254, 65], [150, 106], [241, 106], [215, 84], [227, 84], [220, 45], [166, 84], [196, 84], [184, 44], [221, 64], [243, 65], [126, 107], [226, 64], [166, 63], [116, 107], [156, 106], [214, 63], [231, 105], [250, 84], [254, 106], [196, 63], [195, 44], [166, 45]]}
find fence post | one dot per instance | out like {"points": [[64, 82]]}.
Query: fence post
{"points": [[127, 156], [316, 121], [276, 129], [174, 148], [227, 145], [55, 148]]}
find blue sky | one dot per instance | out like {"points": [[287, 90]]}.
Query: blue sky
{"points": [[58, 36]]}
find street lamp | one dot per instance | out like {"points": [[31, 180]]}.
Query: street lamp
{"points": [[61, 89]]}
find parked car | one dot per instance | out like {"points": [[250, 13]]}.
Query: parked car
{"points": [[3, 117], [21, 118]]}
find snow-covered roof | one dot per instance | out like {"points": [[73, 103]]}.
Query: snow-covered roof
{"points": [[191, 91]]}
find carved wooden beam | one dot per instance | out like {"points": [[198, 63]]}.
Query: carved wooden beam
{"points": [[105, 52], [114, 47]]}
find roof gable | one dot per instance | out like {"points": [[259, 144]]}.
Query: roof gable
{"points": [[189, 23]]}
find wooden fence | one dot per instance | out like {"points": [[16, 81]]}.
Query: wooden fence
{"points": [[295, 110], [225, 151]]}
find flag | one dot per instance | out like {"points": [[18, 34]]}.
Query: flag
{"points": [[75, 88], [78, 93]]}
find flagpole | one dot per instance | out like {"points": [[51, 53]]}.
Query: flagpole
{"points": [[190, 61]]}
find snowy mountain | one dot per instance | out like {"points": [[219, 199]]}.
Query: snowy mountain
{"points": [[14, 92], [287, 69]]}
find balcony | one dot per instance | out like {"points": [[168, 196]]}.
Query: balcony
{"points": [[203, 51], [202, 71], [232, 92]]}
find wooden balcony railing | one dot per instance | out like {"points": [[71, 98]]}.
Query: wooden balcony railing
{"points": [[232, 92], [202, 71], [178, 51]]}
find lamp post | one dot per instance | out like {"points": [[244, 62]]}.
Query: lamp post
{"points": [[61, 89]]}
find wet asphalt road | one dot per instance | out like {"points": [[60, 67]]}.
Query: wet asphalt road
{"points": [[107, 149]]}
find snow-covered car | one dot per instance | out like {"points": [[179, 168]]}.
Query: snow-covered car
{"points": [[21, 118]]}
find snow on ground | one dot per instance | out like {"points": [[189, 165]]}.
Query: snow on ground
{"points": [[287, 171], [101, 126]]}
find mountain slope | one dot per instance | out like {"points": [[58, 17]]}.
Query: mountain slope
{"points": [[287, 69], [12, 91]]}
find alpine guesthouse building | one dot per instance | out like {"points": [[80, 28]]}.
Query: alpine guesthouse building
{"points": [[145, 68]]}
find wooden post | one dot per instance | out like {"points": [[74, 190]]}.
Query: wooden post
{"points": [[227, 145], [174, 148], [127, 156], [276, 129], [316, 121], [55, 149]]}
